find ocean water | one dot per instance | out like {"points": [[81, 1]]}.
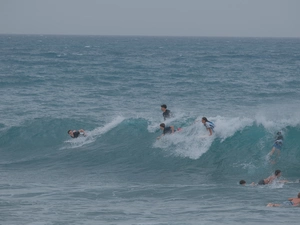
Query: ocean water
{"points": [[113, 87]]}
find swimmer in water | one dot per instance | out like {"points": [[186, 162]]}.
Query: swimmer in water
{"points": [[270, 179], [166, 113], [277, 145], [290, 202], [167, 130], [209, 125], [76, 133], [243, 183]]}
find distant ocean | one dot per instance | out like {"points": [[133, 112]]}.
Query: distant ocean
{"points": [[113, 87]]}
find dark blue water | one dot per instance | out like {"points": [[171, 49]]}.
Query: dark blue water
{"points": [[120, 174]]}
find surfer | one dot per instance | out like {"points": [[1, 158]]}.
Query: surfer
{"points": [[76, 133], [166, 113], [167, 130], [277, 144], [209, 125], [290, 202], [270, 179]]}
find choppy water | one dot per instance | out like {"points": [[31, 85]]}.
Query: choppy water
{"points": [[120, 174]]}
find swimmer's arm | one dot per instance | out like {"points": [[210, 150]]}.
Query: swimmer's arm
{"points": [[82, 131], [210, 131], [283, 181]]}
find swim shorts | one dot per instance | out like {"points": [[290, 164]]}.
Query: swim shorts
{"points": [[277, 145], [287, 203], [261, 182]]}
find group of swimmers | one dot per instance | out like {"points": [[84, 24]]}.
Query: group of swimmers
{"points": [[270, 180], [210, 128], [170, 129], [207, 124], [267, 180], [165, 129], [275, 149]]}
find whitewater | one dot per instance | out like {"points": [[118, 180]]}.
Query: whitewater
{"points": [[120, 173]]}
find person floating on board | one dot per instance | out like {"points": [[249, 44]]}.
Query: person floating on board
{"points": [[209, 125], [76, 133], [277, 144], [290, 202], [166, 113], [270, 179], [167, 130]]}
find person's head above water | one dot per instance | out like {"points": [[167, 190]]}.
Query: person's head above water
{"points": [[242, 182], [162, 126], [204, 119], [163, 107], [277, 173], [70, 132]]}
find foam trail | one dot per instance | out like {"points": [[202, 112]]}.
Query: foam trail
{"points": [[102, 130]]}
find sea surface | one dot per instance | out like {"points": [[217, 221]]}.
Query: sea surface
{"points": [[113, 87]]}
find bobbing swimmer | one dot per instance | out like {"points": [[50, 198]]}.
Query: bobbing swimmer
{"points": [[277, 144], [167, 130], [290, 202], [76, 133], [166, 113], [209, 125], [270, 179]]}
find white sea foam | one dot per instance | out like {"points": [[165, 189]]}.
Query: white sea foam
{"points": [[193, 141]]}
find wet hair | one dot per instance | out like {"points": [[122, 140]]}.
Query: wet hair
{"points": [[69, 131], [162, 125], [205, 119], [279, 136], [277, 172], [242, 182], [299, 195], [164, 106]]}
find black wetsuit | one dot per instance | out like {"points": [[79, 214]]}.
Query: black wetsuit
{"points": [[167, 114], [76, 134], [167, 130]]}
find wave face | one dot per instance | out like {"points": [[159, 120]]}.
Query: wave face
{"points": [[112, 87], [131, 143]]}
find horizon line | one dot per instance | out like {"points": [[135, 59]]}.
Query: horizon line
{"points": [[140, 35]]}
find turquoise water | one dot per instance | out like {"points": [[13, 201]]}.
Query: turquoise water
{"points": [[120, 174]]}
